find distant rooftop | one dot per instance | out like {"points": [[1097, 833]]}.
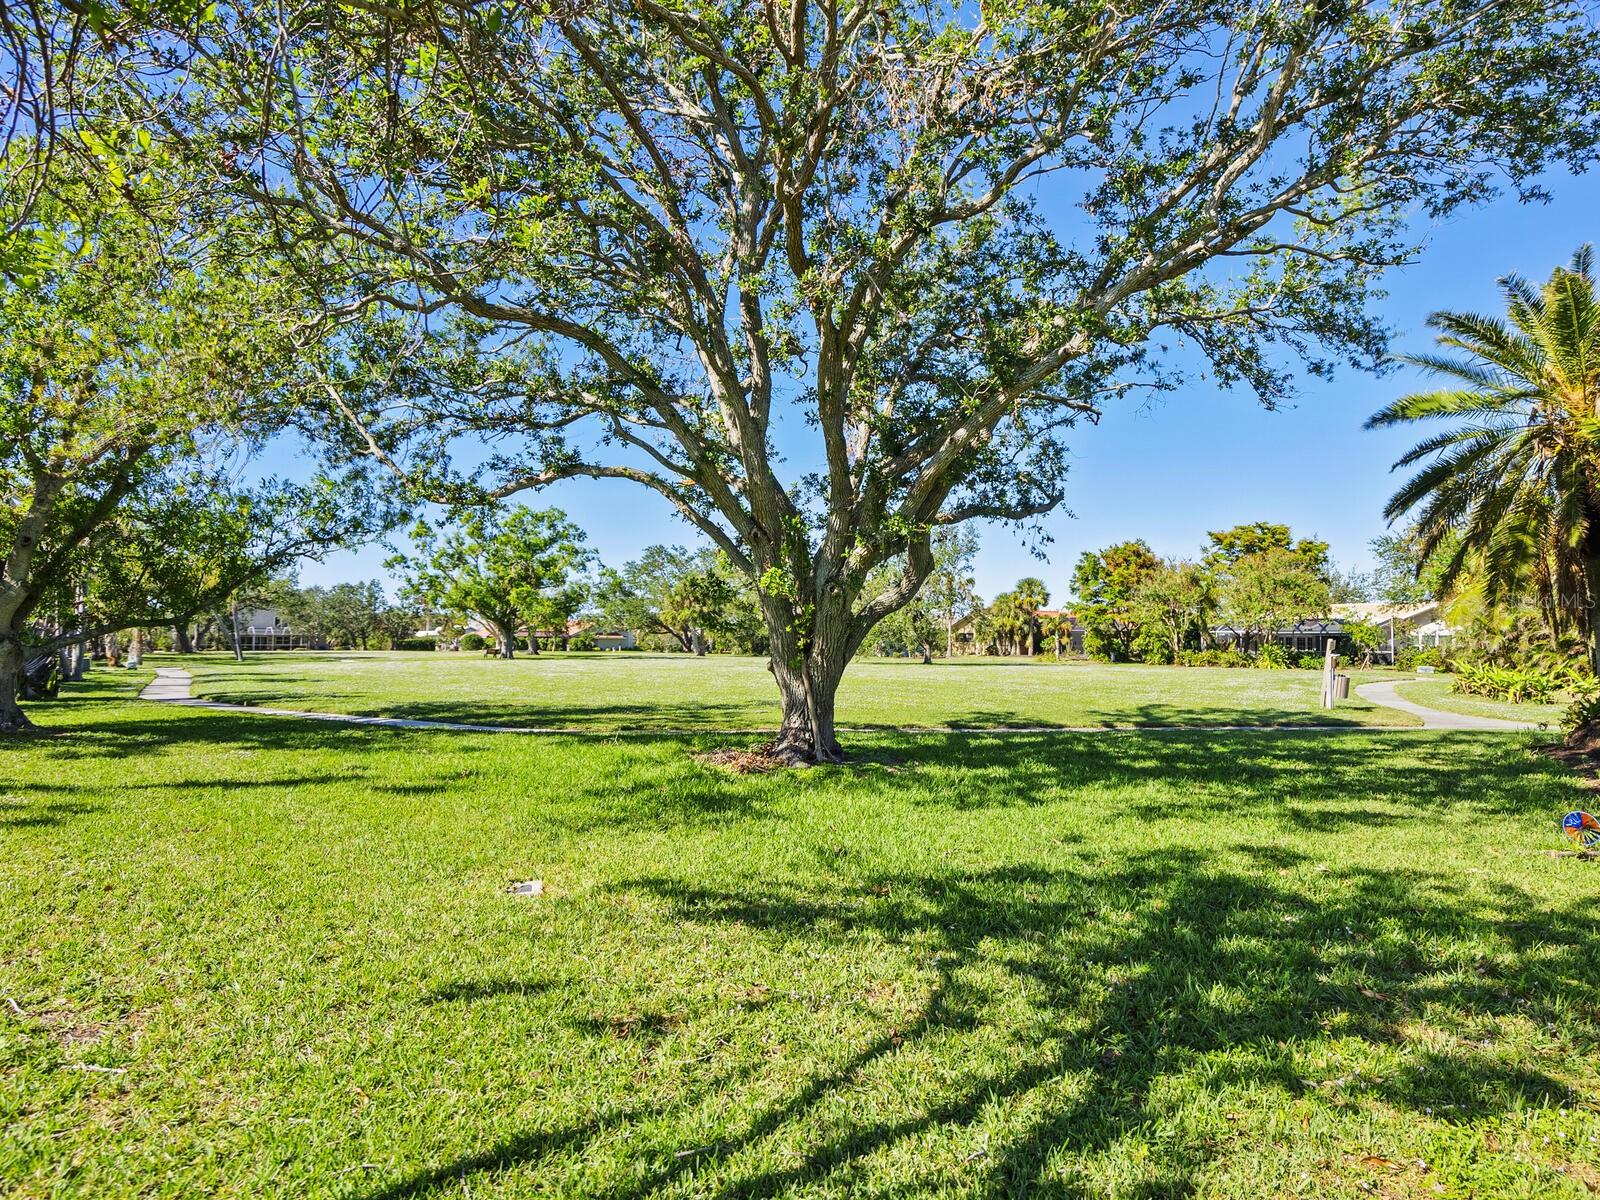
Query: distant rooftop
{"points": [[1379, 612]]}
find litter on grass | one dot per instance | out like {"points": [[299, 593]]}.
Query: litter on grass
{"points": [[529, 887]]}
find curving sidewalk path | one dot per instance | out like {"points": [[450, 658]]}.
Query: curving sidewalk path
{"points": [[1387, 694], [171, 686]]}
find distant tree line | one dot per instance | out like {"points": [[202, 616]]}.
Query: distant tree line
{"points": [[1249, 583], [1130, 605]]}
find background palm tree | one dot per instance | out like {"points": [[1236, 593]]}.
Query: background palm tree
{"points": [[1517, 476], [1031, 596]]}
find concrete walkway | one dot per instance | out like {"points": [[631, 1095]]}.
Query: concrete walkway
{"points": [[1388, 696], [171, 686]]}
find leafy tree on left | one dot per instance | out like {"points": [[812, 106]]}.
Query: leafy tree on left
{"points": [[137, 363]]}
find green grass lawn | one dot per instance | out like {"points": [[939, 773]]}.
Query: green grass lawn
{"points": [[678, 691], [252, 957], [1436, 693]]}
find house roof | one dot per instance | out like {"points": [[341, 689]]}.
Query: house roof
{"points": [[1332, 627], [1381, 612]]}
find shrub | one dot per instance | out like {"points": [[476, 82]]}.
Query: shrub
{"points": [[472, 641], [1228, 657], [1097, 645], [1585, 708], [1152, 646], [584, 641], [1272, 657], [1412, 658], [1309, 662], [414, 644], [1519, 685]]}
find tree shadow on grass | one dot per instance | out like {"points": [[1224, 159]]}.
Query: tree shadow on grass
{"points": [[1151, 716], [483, 989], [654, 779], [605, 715], [22, 812], [1467, 1086], [130, 729], [1308, 782], [1063, 1006]]}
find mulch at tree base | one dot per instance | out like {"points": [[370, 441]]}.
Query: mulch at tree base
{"points": [[1585, 738], [1579, 751], [754, 760]]}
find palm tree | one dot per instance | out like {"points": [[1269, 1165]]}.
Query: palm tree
{"points": [[1057, 628], [1010, 622], [1031, 596], [1517, 477]]}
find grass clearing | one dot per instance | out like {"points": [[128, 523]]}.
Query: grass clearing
{"points": [[678, 691], [1116, 965], [1436, 693]]}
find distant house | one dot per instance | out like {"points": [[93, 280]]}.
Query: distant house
{"points": [[1409, 626], [1303, 637], [604, 639], [964, 637], [265, 629]]}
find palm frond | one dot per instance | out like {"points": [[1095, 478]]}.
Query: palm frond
{"points": [[1489, 339], [1568, 335], [1453, 402], [1444, 476], [1465, 369], [1443, 441]]}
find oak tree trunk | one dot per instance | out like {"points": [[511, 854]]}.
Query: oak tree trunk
{"points": [[181, 641], [12, 718], [808, 658], [505, 641]]}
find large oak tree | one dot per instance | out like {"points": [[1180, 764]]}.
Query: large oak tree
{"points": [[829, 275]]}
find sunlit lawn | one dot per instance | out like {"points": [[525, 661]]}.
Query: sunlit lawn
{"points": [[1436, 693], [671, 691], [248, 957]]}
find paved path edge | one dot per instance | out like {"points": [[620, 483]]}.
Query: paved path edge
{"points": [[172, 686]]}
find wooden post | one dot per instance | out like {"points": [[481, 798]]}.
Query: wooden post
{"points": [[233, 619], [1328, 660]]}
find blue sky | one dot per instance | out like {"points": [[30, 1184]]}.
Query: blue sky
{"points": [[1202, 458]]}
